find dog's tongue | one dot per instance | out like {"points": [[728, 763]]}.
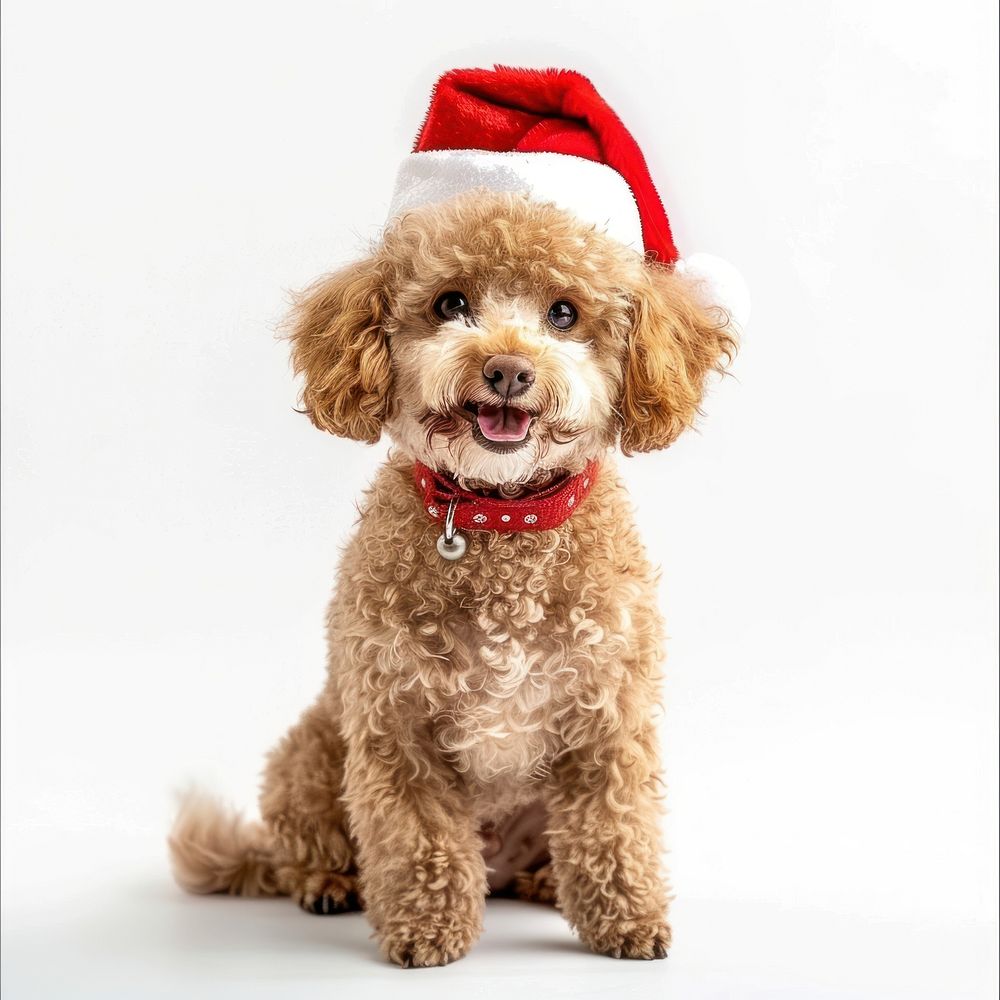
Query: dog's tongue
{"points": [[503, 423]]}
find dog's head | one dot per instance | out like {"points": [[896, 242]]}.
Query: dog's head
{"points": [[498, 339]]}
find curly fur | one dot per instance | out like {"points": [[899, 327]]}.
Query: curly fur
{"points": [[461, 692], [341, 346]]}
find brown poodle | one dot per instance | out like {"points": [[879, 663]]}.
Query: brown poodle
{"points": [[488, 722]]}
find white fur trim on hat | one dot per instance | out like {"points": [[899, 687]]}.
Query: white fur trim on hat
{"points": [[591, 191]]}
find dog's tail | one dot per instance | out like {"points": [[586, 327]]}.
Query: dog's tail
{"points": [[213, 849]]}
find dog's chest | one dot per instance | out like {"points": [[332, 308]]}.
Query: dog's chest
{"points": [[497, 724]]}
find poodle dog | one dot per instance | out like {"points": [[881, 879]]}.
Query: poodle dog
{"points": [[487, 723]]}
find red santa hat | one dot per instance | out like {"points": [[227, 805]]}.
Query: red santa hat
{"points": [[549, 134]]}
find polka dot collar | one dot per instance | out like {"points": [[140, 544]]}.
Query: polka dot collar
{"points": [[539, 511]]}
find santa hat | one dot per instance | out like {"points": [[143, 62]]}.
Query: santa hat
{"points": [[549, 134]]}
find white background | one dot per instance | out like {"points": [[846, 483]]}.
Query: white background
{"points": [[828, 538]]}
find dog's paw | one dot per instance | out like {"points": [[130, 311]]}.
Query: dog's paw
{"points": [[536, 887], [422, 950], [642, 941], [328, 893]]}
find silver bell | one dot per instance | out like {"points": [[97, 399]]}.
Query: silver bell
{"points": [[454, 549], [451, 544]]}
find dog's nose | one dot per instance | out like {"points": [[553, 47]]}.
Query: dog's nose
{"points": [[509, 374]]}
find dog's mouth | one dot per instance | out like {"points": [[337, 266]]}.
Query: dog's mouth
{"points": [[502, 428]]}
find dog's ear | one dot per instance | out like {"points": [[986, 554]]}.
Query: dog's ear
{"points": [[676, 340], [340, 346]]}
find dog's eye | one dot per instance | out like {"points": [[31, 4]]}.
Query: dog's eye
{"points": [[561, 315], [451, 305]]}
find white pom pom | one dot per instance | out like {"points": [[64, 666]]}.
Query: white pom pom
{"points": [[723, 285]]}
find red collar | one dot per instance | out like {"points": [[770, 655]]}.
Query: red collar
{"points": [[539, 511]]}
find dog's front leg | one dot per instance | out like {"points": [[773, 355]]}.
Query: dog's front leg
{"points": [[422, 871], [605, 844]]}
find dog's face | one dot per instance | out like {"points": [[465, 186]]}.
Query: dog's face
{"points": [[497, 339]]}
